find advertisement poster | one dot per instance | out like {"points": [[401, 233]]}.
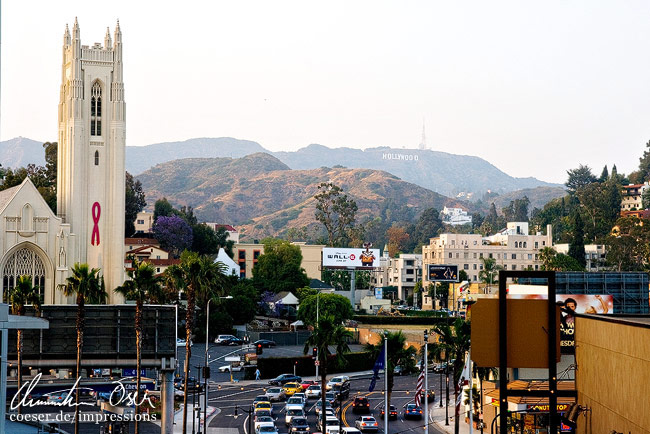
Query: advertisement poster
{"points": [[578, 303], [350, 258]]}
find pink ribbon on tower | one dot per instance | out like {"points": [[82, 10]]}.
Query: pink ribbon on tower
{"points": [[97, 211]]}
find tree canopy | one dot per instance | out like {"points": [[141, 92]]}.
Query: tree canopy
{"points": [[337, 212], [334, 305], [279, 268]]}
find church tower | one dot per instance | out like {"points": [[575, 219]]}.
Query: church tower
{"points": [[91, 152]]}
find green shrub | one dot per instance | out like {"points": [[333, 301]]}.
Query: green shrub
{"points": [[271, 367]]}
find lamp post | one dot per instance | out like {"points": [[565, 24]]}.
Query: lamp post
{"points": [[317, 309], [447, 395], [426, 382], [386, 407]]}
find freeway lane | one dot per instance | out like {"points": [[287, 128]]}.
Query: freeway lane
{"points": [[229, 397]]}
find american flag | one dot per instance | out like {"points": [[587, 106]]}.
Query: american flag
{"points": [[419, 386]]}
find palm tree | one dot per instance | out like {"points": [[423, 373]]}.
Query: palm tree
{"points": [[88, 287], [143, 287], [326, 334], [453, 343], [19, 297], [197, 275], [483, 374], [490, 272], [547, 256], [397, 354]]}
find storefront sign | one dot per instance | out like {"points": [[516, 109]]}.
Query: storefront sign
{"points": [[546, 407]]}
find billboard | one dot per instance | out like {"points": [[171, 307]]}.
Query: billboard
{"points": [[379, 293], [350, 258], [442, 273], [578, 303]]}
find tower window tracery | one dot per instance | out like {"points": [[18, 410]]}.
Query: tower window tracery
{"points": [[96, 158], [96, 110]]}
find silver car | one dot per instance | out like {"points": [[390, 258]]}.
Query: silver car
{"points": [[313, 391], [293, 412], [275, 394]]}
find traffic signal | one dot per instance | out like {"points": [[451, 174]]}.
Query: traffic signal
{"points": [[258, 349], [314, 353], [206, 372]]}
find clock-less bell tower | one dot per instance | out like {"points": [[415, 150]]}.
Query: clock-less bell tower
{"points": [[91, 152]]}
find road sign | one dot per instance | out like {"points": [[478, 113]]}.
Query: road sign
{"points": [[317, 363], [442, 273], [232, 359]]}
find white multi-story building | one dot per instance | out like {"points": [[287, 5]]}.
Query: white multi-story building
{"points": [[595, 255], [632, 196], [512, 248], [455, 216], [403, 272], [233, 234], [144, 222]]}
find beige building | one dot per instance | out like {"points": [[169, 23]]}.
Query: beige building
{"points": [[402, 272], [233, 234], [513, 249], [246, 255], [632, 196], [595, 255], [144, 222]]}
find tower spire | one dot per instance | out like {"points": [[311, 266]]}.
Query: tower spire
{"points": [[66, 36], [423, 143], [75, 29], [107, 39]]}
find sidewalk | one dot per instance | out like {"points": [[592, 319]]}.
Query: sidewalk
{"points": [[178, 419], [437, 416]]}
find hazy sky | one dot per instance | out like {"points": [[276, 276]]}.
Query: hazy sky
{"points": [[533, 87]]}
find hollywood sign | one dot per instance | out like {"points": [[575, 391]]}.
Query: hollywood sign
{"points": [[403, 157]]}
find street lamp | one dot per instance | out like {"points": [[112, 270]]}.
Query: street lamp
{"points": [[426, 382]]}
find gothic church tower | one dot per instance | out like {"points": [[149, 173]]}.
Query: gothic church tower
{"points": [[91, 152]]}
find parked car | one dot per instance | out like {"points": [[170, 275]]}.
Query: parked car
{"points": [[392, 412], [281, 380], [291, 413], [266, 343], [275, 394], [412, 411], [224, 339], [291, 388], [313, 391], [360, 405], [298, 425], [366, 424]]}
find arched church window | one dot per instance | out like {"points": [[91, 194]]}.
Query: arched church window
{"points": [[23, 262], [96, 158], [96, 110]]}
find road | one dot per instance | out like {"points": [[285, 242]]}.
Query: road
{"points": [[229, 397]]}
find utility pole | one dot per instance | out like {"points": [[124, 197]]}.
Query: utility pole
{"points": [[386, 408], [426, 382], [447, 395]]}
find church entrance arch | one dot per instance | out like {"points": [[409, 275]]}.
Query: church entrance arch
{"points": [[23, 261]]}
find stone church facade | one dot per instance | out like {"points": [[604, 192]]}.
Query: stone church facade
{"points": [[89, 226]]}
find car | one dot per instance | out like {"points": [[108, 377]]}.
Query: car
{"points": [[280, 380], [319, 404], [262, 412], [192, 384], [360, 405], [300, 395], [313, 391], [266, 343], [291, 388], [350, 430], [330, 421], [260, 398], [224, 339], [275, 394], [181, 342], [392, 412], [263, 420], [341, 391], [291, 413], [337, 380], [266, 429], [295, 402], [306, 383], [366, 424], [228, 368], [331, 398], [440, 367], [265, 405], [399, 370], [412, 411], [299, 425]]}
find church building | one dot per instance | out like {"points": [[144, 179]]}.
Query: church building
{"points": [[89, 226]]}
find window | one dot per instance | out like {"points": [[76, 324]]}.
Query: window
{"points": [[96, 112], [457, 256], [489, 255], [242, 255], [480, 255], [524, 244], [96, 158], [409, 271], [450, 255], [157, 269], [474, 266], [514, 256], [514, 267], [474, 255], [140, 222], [409, 263], [465, 266], [466, 255], [543, 243], [536, 267], [530, 256], [537, 244], [256, 254]]}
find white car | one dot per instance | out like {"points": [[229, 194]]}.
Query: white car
{"points": [[337, 380], [228, 368], [366, 423], [223, 339], [318, 404], [263, 420], [295, 402], [293, 412], [313, 391], [275, 394], [330, 422], [300, 395]]}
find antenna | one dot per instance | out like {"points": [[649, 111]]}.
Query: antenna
{"points": [[423, 143]]}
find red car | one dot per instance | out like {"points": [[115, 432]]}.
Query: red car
{"points": [[306, 383]]}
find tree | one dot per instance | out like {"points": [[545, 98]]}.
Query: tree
{"points": [[397, 353], [428, 226], [604, 175], [577, 245], [279, 268], [51, 161], [453, 342], [162, 208], [629, 244], [489, 273], [644, 164], [204, 240], [143, 286], [578, 178], [335, 306], [547, 256], [341, 279], [562, 262], [20, 296], [397, 237], [134, 203], [223, 242], [173, 233], [336, 211], [242, 307], [327, 333], [87, 285], [521, 209]]}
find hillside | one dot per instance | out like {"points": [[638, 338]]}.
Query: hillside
{"points": [[263, 197], [21, 151], [539, 197]]}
